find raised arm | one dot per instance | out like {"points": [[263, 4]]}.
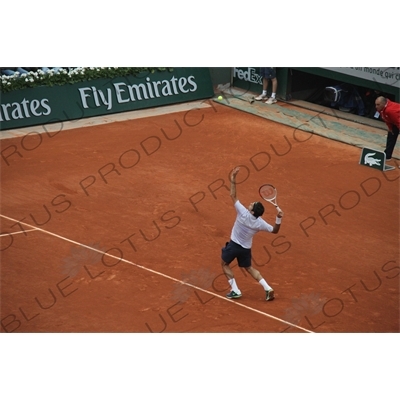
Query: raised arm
{"points": [[233, 184], [278, 221]]}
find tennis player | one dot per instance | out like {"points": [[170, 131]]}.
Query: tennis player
{"points": [[248, 222]]}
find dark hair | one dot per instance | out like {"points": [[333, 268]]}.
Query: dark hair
{"points": [[258, 209]]}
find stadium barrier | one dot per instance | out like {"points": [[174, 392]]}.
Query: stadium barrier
{"points": [[46, 105]]}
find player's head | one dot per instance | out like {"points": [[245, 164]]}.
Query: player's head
{"points": [[258, 209], [380, 103]]}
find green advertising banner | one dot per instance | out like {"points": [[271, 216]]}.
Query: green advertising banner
{"points": [[247, 78], [44, 105], [250, 80]]}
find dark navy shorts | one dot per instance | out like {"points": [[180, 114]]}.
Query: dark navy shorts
{"points": [[268, 73], [233, 250]]}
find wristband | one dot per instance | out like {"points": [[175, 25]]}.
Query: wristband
{"points": [[278, 220]]}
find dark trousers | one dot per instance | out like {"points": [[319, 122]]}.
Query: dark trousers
{"points": [[391, 140]]}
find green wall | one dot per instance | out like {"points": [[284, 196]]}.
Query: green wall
{"points": [[248, 78], [353, 80], [44, 105]]}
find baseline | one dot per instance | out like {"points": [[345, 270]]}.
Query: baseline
{"points": [[17, 233], [158, 273]]}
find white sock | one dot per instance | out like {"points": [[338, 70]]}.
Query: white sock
{"points": [[234, 286], [264, 93], [273, 95], [264, 284]]}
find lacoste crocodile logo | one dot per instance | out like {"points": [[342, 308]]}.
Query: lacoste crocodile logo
{"points": [[368, 159]]}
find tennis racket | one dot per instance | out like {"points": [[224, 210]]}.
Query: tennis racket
{"points": [[268, 192]]}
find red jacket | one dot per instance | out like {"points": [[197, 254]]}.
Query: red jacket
{"points": [[391, 114]]}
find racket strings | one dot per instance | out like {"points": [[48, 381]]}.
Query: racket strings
{"points": [[268, 192]]}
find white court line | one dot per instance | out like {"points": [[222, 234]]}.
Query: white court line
{"points": [[160, 274], [17, 233]]}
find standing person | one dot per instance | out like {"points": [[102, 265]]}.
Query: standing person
{"points": [[390, 113], [248, 222], [268, 73]]}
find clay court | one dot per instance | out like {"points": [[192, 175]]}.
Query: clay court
{"points": [[118, 227]]}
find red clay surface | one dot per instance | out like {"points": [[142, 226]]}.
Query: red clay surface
{"points": [[155, 193]]}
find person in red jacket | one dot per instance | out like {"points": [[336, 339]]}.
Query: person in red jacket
{"points": [[390, 113]]}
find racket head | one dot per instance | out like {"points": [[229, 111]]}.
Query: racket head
{"points": [[268, 192]]}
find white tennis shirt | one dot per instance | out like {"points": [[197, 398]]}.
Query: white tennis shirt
{"points": [[246, 226]]}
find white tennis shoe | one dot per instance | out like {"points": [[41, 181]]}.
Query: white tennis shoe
{"points": [[261, 97]]}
